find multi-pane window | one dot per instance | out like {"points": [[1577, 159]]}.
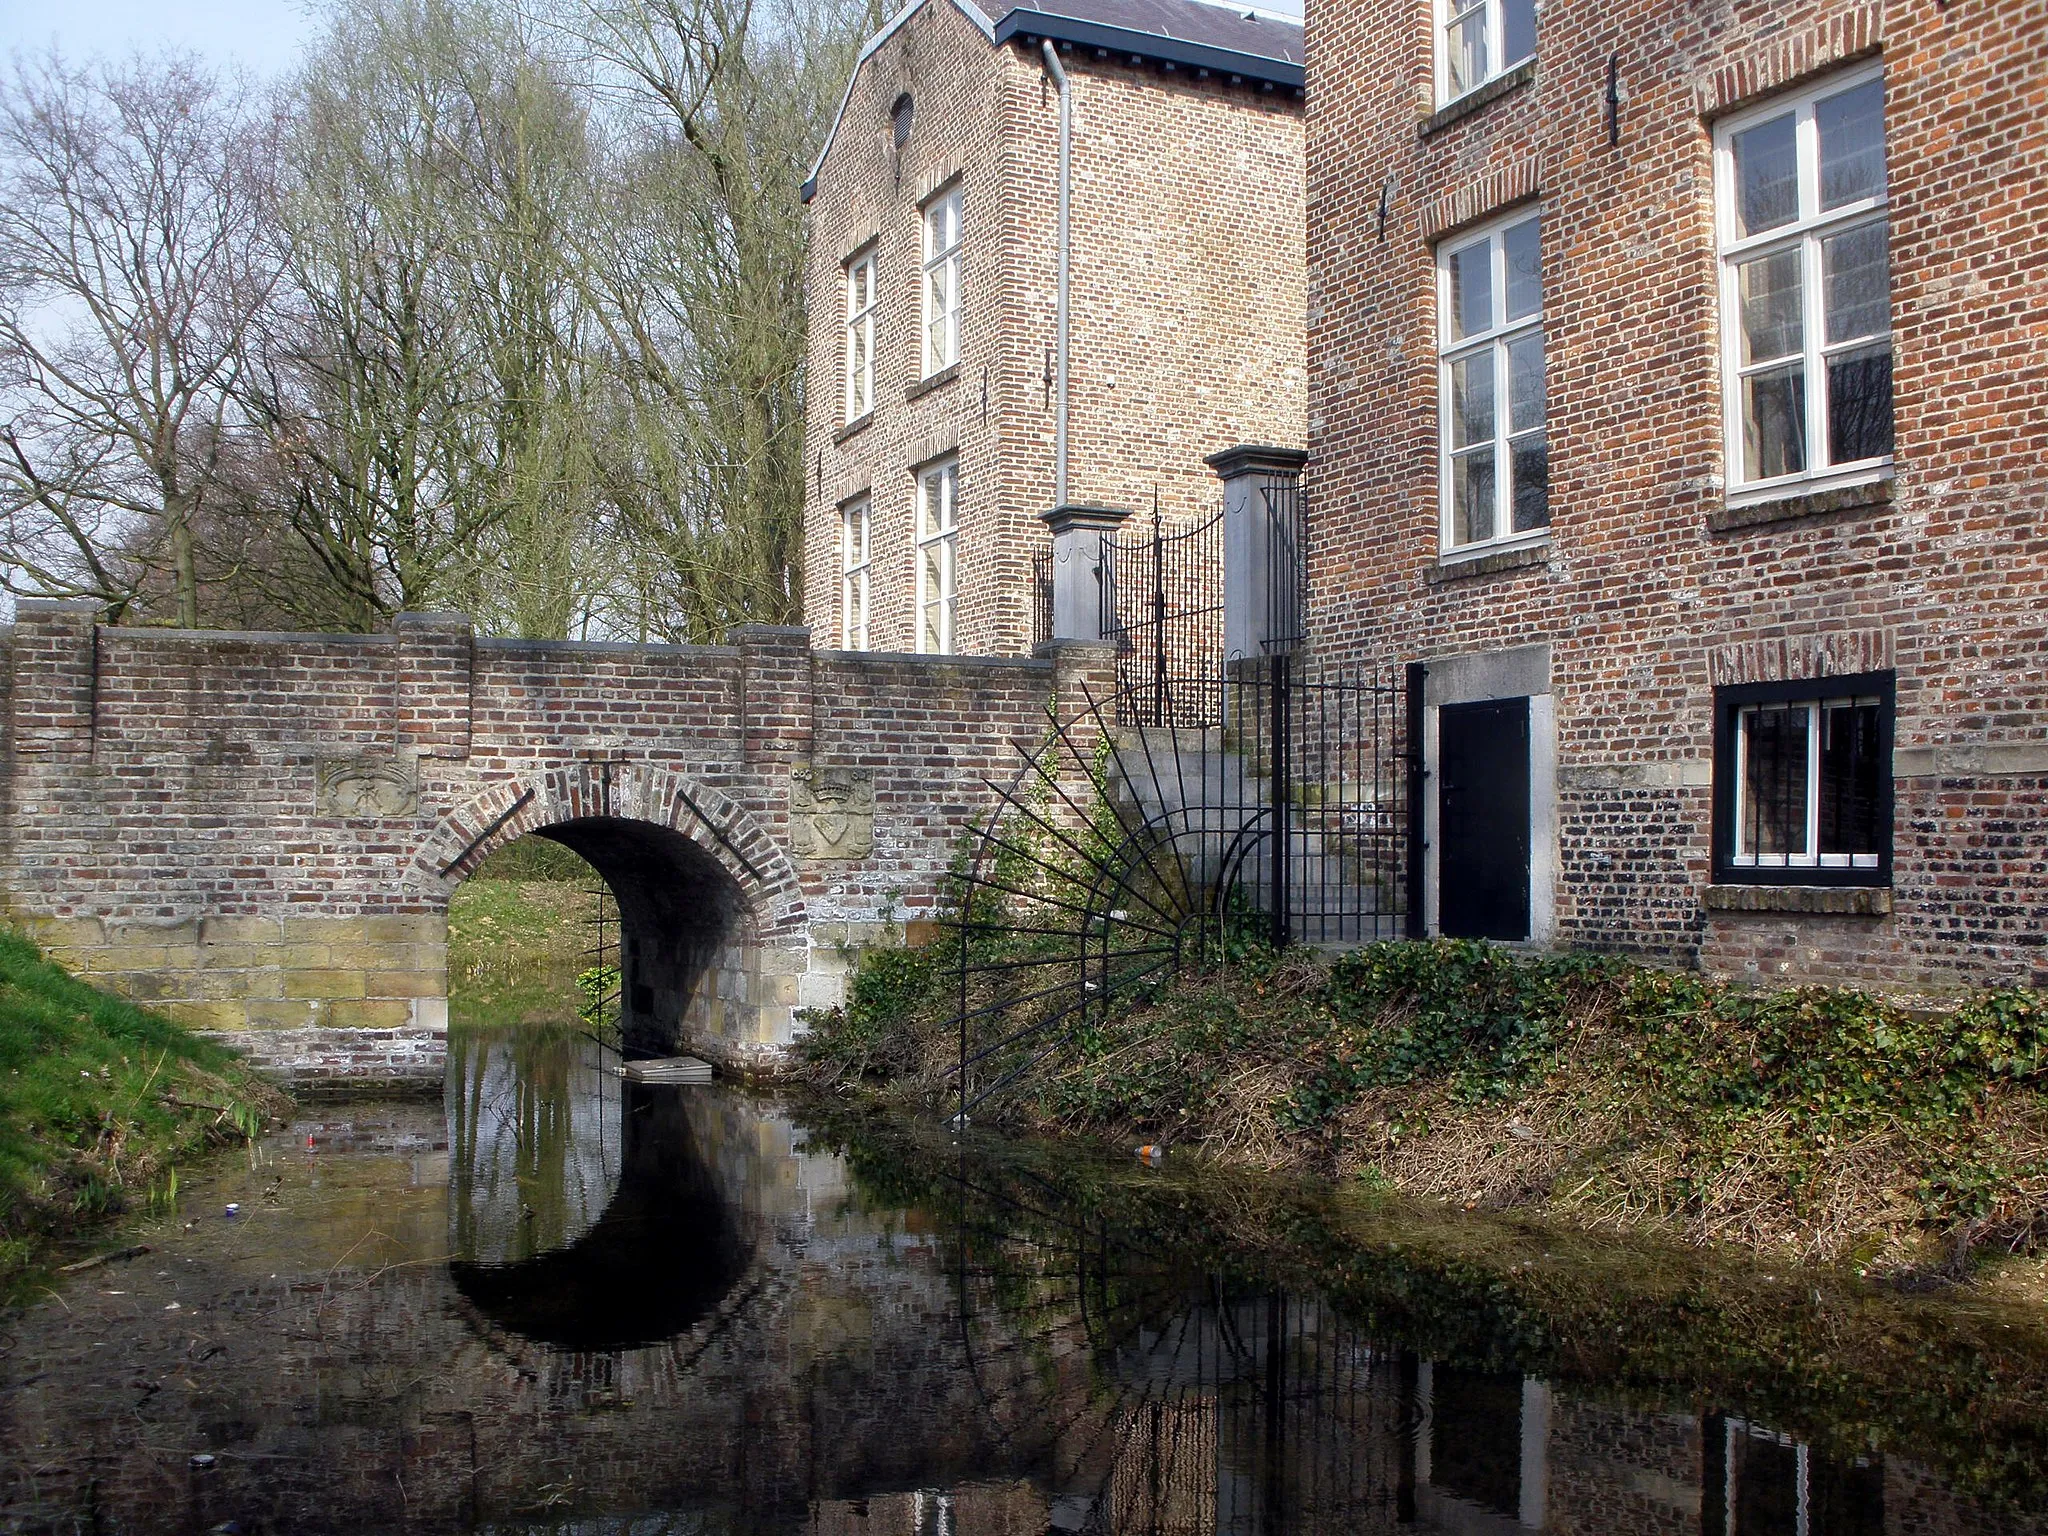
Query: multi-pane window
{"points": [[860, 336], [1803, 779], [1481, 39], [938, 491], [854, 551], [942, 282], [1495, 463], [1806, 287]]}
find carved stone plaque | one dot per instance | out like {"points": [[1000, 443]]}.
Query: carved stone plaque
{"points": [[831, 812], [366, 788]]}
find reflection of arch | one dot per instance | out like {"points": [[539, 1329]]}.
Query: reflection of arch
{"points": [[664, 1254], [702, 889]]}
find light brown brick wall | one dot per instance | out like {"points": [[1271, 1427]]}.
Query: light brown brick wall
{"points": [[1639, 595], [1186, 306]]}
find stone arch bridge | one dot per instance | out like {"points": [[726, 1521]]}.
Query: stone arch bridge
{"points": [[259, 834]]}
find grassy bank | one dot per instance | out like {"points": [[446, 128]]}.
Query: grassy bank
{"points": [[99, 1102], [1820, 1124], [520, 932]]}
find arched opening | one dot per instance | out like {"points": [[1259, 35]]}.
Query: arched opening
{"points": [[623, 925], [581, 1211]]}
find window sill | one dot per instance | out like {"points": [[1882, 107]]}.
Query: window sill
{"points": [[1521, 557], [930, 382], [1804, 504], [1477, 99], [853, 428], [1816, 900]]}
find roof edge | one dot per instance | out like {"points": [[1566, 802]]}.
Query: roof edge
{"points": [[1023, 22], [967, 8]]}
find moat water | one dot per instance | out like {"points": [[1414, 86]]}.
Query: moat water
{"points": [[564, 1303]]}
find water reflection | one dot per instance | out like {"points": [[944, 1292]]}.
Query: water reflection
{"points": [[690, 1310], [582, 1213]]}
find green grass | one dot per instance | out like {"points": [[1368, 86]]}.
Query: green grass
{"points": [[516, 947], [99, 1102]]}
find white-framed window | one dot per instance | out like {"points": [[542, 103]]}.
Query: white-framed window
{"points": [[855, 552], [1806, 288], [1803, 780], [938, 494], [1479, 39], [1495, 463], [860, 335], [942, 282]]}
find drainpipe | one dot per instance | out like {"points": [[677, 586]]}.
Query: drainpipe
{"points": [[1059, 80]]}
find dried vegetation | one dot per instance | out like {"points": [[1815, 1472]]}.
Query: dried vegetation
{"points": [[1820, 1124]]}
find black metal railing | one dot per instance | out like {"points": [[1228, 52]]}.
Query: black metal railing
{"points": [[1286, 567], [1163, 608], [1041, 597], [1156, 829]]}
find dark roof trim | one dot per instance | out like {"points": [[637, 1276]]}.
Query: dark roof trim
{"points": [[1028, 24]]}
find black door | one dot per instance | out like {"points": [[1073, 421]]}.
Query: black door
{"points": [[1482, 820]]}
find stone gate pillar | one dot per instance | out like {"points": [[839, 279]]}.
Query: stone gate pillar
{"points": [[1079, 597], [1255, 558]]}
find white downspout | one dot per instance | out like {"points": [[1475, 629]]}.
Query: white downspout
{"points": [[1059, 448]]}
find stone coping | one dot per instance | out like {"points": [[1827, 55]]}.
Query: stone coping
{"points": [[1814, 900]]}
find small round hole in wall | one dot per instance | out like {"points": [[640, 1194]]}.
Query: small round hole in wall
{"points": [[899, 119]]}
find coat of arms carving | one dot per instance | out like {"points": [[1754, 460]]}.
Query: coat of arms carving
{"points": [[365, 788], [831, 812]]}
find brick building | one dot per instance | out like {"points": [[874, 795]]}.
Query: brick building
{"points": [[1679, 393], [934, 439]]}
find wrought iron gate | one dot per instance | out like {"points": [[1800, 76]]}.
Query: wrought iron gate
{"points": [[1153, 830], [1163, 607]]}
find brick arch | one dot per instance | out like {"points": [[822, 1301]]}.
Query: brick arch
{"points": [[759, 866]]}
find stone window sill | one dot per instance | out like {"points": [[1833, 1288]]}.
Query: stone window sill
{"points": [[1477, 99], [1525, 557], [853, 428], [1817, 900], [925, 386], [1787, 509]]}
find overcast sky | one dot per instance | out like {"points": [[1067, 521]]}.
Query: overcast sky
{"points": [[264, 35]]}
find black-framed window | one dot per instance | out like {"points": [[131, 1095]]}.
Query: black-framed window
{"points": [[1803, 781]]}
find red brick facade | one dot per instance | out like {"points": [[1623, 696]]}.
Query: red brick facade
{"points": [[1186, 303], [1655, 585]]}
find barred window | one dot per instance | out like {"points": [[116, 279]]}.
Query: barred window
{"points": [[1806, 289], [1803, 785]]}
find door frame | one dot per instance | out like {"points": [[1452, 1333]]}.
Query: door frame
{"points": [[1473, 678]]}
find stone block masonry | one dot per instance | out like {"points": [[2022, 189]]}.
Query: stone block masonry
{"points": [[259, 834]]}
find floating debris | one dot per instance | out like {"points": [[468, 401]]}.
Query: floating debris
{"points": [[667, 1069]]}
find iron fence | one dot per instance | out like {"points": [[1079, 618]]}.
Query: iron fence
{"points": [[1163, 608], [1041, 597], [1158, 829]]}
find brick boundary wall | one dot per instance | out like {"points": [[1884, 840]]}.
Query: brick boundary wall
{"points": [[171, 828]]}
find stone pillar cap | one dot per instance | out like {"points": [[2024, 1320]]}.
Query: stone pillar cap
{"points": [[1253, 458], [1082, 515]]}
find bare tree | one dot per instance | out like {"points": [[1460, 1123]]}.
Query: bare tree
{"points": [[131, 198], [701, 297]]}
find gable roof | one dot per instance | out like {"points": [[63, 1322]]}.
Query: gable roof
{"points": [[1237, 41]]}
